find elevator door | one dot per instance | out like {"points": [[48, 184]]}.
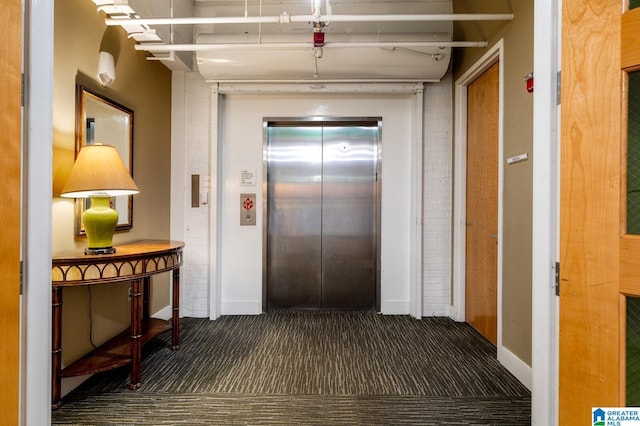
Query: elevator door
{"points": [[322, 215]]}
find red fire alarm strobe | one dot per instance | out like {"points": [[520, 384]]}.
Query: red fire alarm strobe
{"points": [[529, 80], [318, 39], [318, 34]]}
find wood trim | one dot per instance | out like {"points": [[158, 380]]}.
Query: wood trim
{"points": [[630, 42], [629, 271], [624, 120], [589, 209], [629, 244], [10, 129], [622, 386]]}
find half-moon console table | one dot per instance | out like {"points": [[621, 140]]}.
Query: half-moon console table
{"points": [[135, 262]]}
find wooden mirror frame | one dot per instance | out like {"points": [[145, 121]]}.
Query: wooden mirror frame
{"points": [[114, 126]]}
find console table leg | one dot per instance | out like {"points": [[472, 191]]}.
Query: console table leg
{"points": [[56, 346], [136, 332], [146, 298], [175, 315]]}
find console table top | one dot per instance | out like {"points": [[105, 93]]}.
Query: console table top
{"points": [[131, 260]]}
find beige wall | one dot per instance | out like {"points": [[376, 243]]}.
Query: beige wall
{"points": [[145, 87], [518, 139]]}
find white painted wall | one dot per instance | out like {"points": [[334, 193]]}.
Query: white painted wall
{"points": [[242, 139], [240, 277]]}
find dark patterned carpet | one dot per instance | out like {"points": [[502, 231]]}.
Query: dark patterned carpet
{"points": [[334, 368]]}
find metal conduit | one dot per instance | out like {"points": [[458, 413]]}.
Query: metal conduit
{"points": [[210, 46], [285, 19]]}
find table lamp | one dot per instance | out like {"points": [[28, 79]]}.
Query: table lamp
{"points": [[99, 174]]}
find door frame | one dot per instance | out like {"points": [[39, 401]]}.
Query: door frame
{"points": [[378, 184], [35, 396], [392, 302], [493, 55], [546, 215]]}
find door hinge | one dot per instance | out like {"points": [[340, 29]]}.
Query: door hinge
{"points": [[21, 276], [558, 87], [22, 91], [557, 278]]}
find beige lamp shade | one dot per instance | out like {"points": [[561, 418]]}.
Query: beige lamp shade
{"points": [[98, 169]]}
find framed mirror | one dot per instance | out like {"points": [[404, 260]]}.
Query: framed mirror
{"points": [[102, 120]]}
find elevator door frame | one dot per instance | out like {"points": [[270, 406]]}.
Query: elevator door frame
{"points": [[319, 120]]}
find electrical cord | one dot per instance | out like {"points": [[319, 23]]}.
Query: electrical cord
{"points": [[90, 320]]}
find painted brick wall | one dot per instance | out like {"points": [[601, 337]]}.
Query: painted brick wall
{"points": [[438, 201], [195, 291]]}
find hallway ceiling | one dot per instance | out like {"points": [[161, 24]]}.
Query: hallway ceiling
{"points": [[297, 40]]}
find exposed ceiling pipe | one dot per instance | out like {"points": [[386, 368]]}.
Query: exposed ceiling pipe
{"points": [[260, 25], [315, 8], [328, 8], [435, 56], [153, 47], [335, 86], [352, 85], [200, 20], [408, 18], [285, 19]]}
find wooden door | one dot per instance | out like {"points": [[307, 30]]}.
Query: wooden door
{"points": [[599, 263], [10, 125], [482, 204]]}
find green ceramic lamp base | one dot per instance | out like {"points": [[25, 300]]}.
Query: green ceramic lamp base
{"points": [[100, 222]]}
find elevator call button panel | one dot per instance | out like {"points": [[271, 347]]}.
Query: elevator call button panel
{"points": [[247, 209]]}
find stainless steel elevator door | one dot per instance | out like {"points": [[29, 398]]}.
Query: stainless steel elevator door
{"points": [[322, 210], [294, 222]]}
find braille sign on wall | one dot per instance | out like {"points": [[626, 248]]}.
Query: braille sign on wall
{"points": [[247, 209], [247, 177]]}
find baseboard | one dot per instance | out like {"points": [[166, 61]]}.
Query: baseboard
{"points": [[250, 307], [516, 366], [395, 307], [241, 307], [165, 313], [438, 311]]}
